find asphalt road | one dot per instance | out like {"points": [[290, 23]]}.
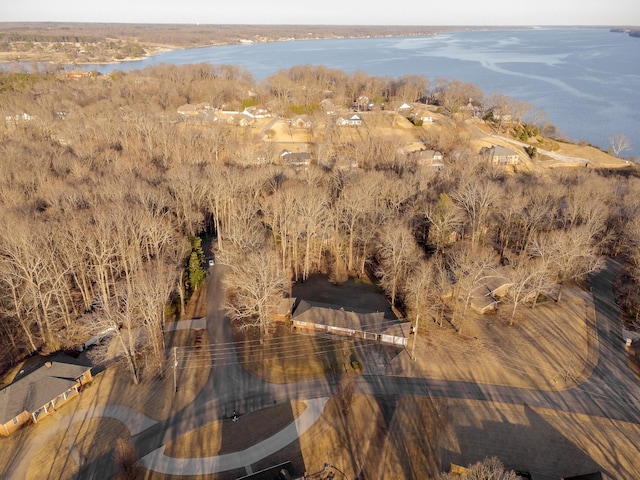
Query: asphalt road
{"points": [[612, 391]]}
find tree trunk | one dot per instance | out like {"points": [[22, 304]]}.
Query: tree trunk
{"points": [[560, 292]]}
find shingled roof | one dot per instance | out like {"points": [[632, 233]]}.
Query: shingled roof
{"points": [[337, 316], [40, 386]]}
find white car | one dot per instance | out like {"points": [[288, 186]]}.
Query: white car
{"points": [[211, 262], [99, 338]]}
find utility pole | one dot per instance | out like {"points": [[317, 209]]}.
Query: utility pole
{"points": [[415, 338], [175, 369]]}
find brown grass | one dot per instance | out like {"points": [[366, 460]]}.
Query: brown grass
{"points": [[89, 440], [395, 438], [196, 307], [547, 348], [554, 443], [218, 438], [290, 357]]}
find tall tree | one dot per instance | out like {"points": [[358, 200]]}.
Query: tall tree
{"points": [[397, 256], [256, 284]]}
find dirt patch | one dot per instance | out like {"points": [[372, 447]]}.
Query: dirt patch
{"points": [[218, 438], [196, 307]]}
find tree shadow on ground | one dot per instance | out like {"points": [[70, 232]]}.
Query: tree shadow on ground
{"points": [[520, 437]]}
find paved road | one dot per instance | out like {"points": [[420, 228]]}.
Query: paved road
{"points": [[611, 391]]}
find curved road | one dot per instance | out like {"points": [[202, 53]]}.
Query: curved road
{"points": [[611, 391]]}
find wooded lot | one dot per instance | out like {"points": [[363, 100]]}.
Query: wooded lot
{"points": [[103, 187]]}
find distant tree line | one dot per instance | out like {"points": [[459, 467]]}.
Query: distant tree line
{"points": [[45, 38]]}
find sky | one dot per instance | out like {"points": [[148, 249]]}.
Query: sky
{"points": [[328, 12]]}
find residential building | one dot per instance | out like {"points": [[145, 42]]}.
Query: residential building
{"points": [[39, 392]]}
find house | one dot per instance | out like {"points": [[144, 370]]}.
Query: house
{"points": [[301, 121], [327, 106], [426, 158], [299, 161], [20, 117], [39, 392], [257, 111], [473, 108], [189, 110], [335, 319], [482, 302], [352, 121], [498, 280], [499, 115], [423, 115], [240, 120], [404, 108], [285, 307], [362, 104], [499, 155], [205, 116], [341, 163], [78, 74]]}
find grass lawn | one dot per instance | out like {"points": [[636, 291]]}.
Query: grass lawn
{"points": [[291, 357], [82, 443]]}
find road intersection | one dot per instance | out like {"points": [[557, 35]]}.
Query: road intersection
{"points": [[611, 391]]}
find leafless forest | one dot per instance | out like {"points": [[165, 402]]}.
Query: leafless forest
{"points": [[103, 189], [184, 35]]}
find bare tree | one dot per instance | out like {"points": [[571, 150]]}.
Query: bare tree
{"points": [[121, 331], [567, 255], [397, 255], [452, 95], [619, 143], [469, 266], [153, 285], [490, 468], [445, 219], [529, 279], [256, 283], [475, 198]]}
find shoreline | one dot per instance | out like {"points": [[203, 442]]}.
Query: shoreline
{"points": [[248, 39]]}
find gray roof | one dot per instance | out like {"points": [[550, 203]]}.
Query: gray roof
{"points": [[337, 316], [38, 387]]}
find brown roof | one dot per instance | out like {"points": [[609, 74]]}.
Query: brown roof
{"points": [[38, 387], [337, 316]]}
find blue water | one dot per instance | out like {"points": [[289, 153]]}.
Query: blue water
{"points": [[586, 80]]}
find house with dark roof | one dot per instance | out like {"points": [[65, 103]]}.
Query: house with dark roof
{"points": [[39, 392], [336, 319]]}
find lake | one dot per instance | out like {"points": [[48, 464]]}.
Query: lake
{"points": [[586, 80]]}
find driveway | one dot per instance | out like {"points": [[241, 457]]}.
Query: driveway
{"points": [[610, 392]]}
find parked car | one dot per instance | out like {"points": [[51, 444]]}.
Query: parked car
{"points": [[99, 338]]}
